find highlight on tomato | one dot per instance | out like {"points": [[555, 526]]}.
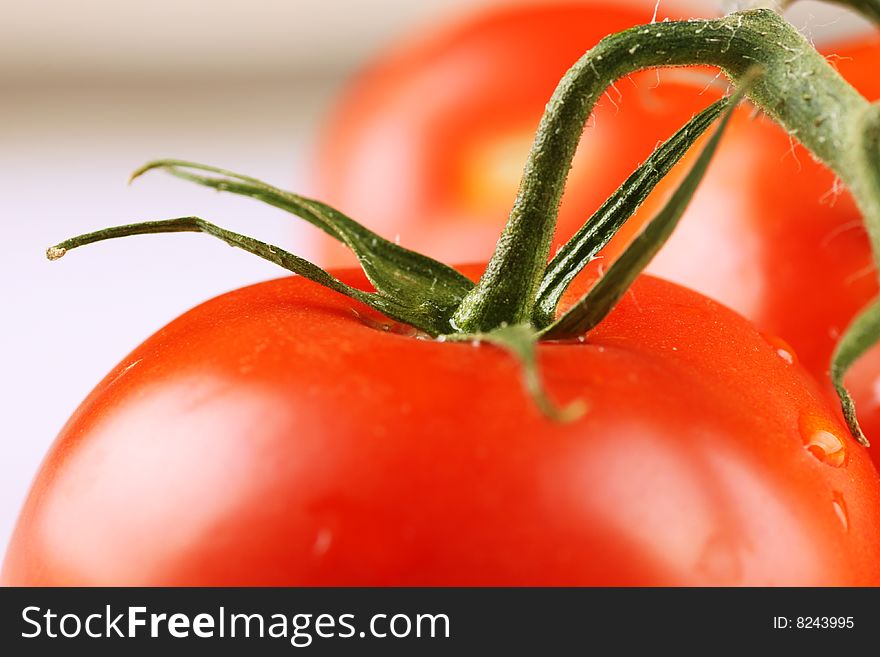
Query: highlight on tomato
{"points": [[282, 434], [538, 420], [771, 233]]}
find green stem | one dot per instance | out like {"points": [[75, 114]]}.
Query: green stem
{"points": [[595, 234], [607, 291], [798, 88], [419, 317], [521, 342], [863, 331]]}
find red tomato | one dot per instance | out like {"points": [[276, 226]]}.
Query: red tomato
{"points": [[430, 141], [279, 434]]}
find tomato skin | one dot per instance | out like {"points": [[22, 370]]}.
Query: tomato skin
{"points": [[276, 435], [430, 139], [765, 234]]}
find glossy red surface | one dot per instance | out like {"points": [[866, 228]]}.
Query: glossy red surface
{"points": [[278, 435]]}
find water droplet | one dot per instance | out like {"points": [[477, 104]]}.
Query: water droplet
{"points": [[783, 349], [823, 440], [839, 507], [786, 356]]}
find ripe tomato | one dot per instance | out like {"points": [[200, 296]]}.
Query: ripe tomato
{"points": [[430, 139], [282, 434], [449, 118]]}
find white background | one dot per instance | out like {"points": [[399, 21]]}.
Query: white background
{"points": [[91, 89]]}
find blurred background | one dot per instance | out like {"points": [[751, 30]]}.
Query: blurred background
{"points": [[92, 89]]}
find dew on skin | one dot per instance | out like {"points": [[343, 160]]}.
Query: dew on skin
{"points": [[822, 440], [782, 348], [839, 507], [787, 356]]}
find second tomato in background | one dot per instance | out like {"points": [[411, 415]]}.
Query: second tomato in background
{"points": [[428, 145]]}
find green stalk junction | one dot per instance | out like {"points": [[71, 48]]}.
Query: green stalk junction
{"points": [[515, 303]]}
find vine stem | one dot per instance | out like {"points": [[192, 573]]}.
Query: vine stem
{"points": [[798, 88]]}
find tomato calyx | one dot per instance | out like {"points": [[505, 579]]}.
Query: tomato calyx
{"points": [[798, 88], [586, 243], [400, 276], [514, 304], [423, 293]]}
